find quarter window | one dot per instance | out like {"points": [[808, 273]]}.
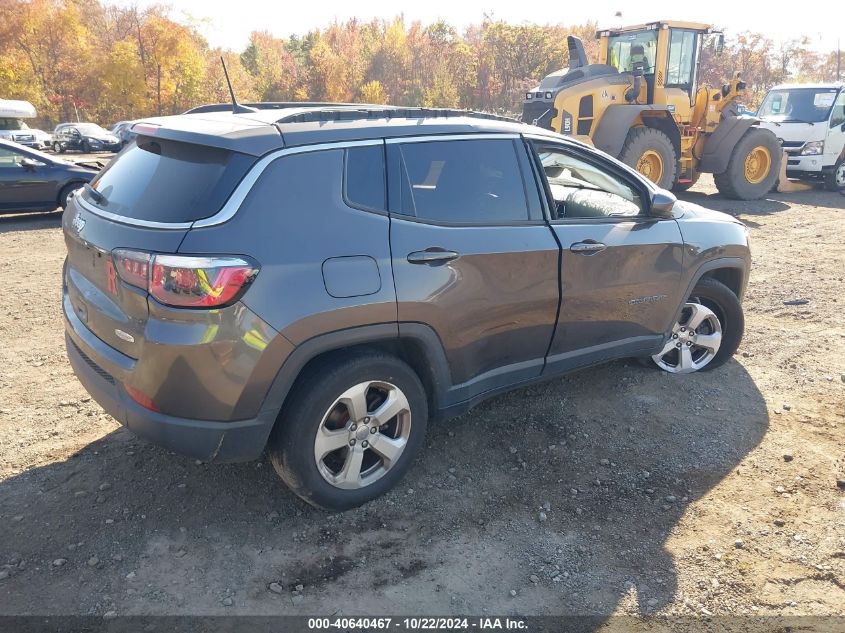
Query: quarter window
{"points": [[364, 177], [470, 181], [583, 189]]}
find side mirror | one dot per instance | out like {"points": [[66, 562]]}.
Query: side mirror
{"points": [[662, 203], [29, 164], [719, 44]]}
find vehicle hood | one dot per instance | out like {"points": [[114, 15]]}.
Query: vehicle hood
{"points": [[107, 138], [796, 132], [685, 210]]}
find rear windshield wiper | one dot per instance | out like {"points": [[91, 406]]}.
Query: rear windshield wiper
{"points": [[98, 197]]}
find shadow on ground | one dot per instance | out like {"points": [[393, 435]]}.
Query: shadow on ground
{"points": [[617, 454], [30, 221]]}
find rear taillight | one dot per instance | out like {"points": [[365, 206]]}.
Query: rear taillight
{"points": [[186, 281], [132, 266]]}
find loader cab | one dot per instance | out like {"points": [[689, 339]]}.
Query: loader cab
{"points": [[669, 52]]}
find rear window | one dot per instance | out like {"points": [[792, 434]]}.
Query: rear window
{"points": [[167, 181], [364, 177]]}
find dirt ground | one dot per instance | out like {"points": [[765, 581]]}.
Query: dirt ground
{"points": [[712, 493]]}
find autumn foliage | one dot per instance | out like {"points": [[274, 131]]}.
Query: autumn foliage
{"points": [[92, 61]]}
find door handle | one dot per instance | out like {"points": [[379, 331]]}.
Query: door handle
{"points": [[587, 248], [431, 256]]}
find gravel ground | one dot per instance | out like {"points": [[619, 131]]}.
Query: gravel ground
{"points": [[616, 490]]}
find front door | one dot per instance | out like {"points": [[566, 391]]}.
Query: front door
{"points": [[473, 257], [21, 187], [620, 268]]}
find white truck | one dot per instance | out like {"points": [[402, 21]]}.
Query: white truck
{"points": [[809, 121], [14, 128]]}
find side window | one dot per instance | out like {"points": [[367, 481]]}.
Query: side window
{"points": [[9, 159], [467, 181], [837, 117], [363, 178], [583, 189]]}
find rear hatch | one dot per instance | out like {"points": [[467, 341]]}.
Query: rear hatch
{"points": [[144, 200]]}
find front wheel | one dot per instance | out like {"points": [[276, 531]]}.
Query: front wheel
{"points": [[753, 167], [57, 147], [707, 333], [835, 179], [351, 430]]}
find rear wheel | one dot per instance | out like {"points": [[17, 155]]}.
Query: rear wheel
{"points": [[835, 179], [753, 167], [57, 147], [708, 332], [651, 153], [351, 430], [85, 147], [64, 194]]}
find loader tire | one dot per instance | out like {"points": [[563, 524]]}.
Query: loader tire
{"points": [[652, 154], [753, 167]]}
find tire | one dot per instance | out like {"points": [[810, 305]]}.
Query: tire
{"points": [[715, 298], [734, 183], [643, 140], [85, 148], [64, 194], [834, 180], [57, 148], [680, 187], [314, 406]]}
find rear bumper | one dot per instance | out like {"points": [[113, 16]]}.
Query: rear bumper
{"points": [[91, 360]]}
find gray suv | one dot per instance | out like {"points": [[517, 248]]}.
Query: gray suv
{"points": [[321, 281]]}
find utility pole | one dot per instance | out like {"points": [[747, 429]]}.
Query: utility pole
{"points": [[838, 60]]}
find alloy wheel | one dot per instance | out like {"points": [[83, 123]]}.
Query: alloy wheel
{"points": [[362, 435], [694, 341]]}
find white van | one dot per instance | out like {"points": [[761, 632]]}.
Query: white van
{"points": [[809, 120], [12, 124]]}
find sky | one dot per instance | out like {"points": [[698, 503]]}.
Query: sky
{"points": [[228, 24]]}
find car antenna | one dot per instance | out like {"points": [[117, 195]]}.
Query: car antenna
{"points": [[236, 107]]}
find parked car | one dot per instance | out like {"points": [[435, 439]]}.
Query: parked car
{"points": [[43, 140], [13, 127], [123, 131], [809, 121], [33, 181], [84, 137], [322, 281]]}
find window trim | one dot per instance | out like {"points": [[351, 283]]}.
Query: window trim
{"points": [[362, 207], [396, 171], [588, 157]]}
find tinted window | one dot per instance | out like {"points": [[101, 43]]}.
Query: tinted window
{"points": [[583, 189], [10, 159], [463, 181], [364, 177], [166, 181]]}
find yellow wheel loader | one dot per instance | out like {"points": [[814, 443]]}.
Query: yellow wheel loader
{"points": [[642, 104]]}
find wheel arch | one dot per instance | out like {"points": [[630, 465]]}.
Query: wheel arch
{"points": [[70, 185], [414, 343], [731, 271], [617, 121], [719, 146]]}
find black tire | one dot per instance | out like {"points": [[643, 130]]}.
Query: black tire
{"points": [[732, 183], [85, 148], [642, 139], [291, 445], [834, 180], [680, 187], [65, 193], [57, 148], [725, 304]]}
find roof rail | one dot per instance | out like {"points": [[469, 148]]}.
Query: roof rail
{"points": [[267, 105], [368, 112]]}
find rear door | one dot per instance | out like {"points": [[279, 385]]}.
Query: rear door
{"points": [[21, 187], [473, 257], [620, 268], [147, 199]]}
